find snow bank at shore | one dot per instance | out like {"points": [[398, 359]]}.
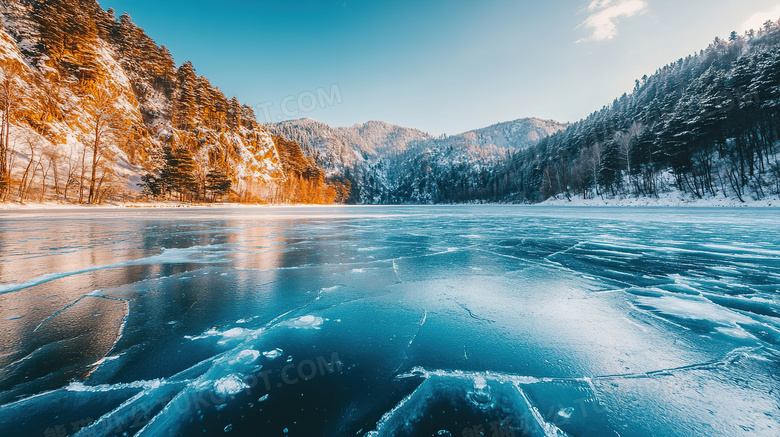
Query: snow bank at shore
{"points": [[671, 199]]}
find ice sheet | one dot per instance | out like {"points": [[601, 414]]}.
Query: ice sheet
{"points": [[391, 321]]}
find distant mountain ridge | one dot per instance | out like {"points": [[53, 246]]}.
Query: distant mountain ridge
{"points": [[337, 147], [387, 163]]}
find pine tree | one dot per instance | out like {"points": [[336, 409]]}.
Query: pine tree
{"points": [[151, 186], [234, 113], [186, 104], [178, 174], [218, 183]]}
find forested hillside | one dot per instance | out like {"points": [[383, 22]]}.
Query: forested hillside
{"points": [[706, 126], [93, 109]]}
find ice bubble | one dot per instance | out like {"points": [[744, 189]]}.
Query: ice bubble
{"points": [[229, 385], [274, 354], [481, 396], [566, 413]]}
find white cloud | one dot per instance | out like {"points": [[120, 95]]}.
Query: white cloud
{"points": [[757, 20], [605, 15]]}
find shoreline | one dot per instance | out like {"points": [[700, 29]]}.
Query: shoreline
{"points": [[666, 200], [15, 206], [663, 202]]}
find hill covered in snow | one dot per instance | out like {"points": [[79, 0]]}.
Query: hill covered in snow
{"points": [[336, 148]]}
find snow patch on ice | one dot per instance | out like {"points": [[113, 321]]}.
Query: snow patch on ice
{"points": [[230, 334], [229, 385], [247, 356], [307, 322]]}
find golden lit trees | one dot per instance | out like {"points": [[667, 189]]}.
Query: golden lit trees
{"points": [[106, 125], [10, 100]]}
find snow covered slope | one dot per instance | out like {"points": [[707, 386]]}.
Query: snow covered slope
{"points": [[338, 147]]}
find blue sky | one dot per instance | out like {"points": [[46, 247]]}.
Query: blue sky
{"points": [[443, 66]]}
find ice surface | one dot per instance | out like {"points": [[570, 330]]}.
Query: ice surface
{"points": [[388, 321]]}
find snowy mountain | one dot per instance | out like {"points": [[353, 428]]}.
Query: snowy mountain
{"points": [[387, 163], [91, 103], [338, 147], [499, 138], [93, 108]]}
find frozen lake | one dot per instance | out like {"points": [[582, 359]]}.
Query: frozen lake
{"points": [[390, 321]]}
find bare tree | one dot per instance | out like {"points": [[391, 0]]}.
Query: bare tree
{"points": [[594, 165], [28, 178], [51, 156], [83, 169], [625, 145], [10, 99], [106, 124], [70, 174], [53, 159]]}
